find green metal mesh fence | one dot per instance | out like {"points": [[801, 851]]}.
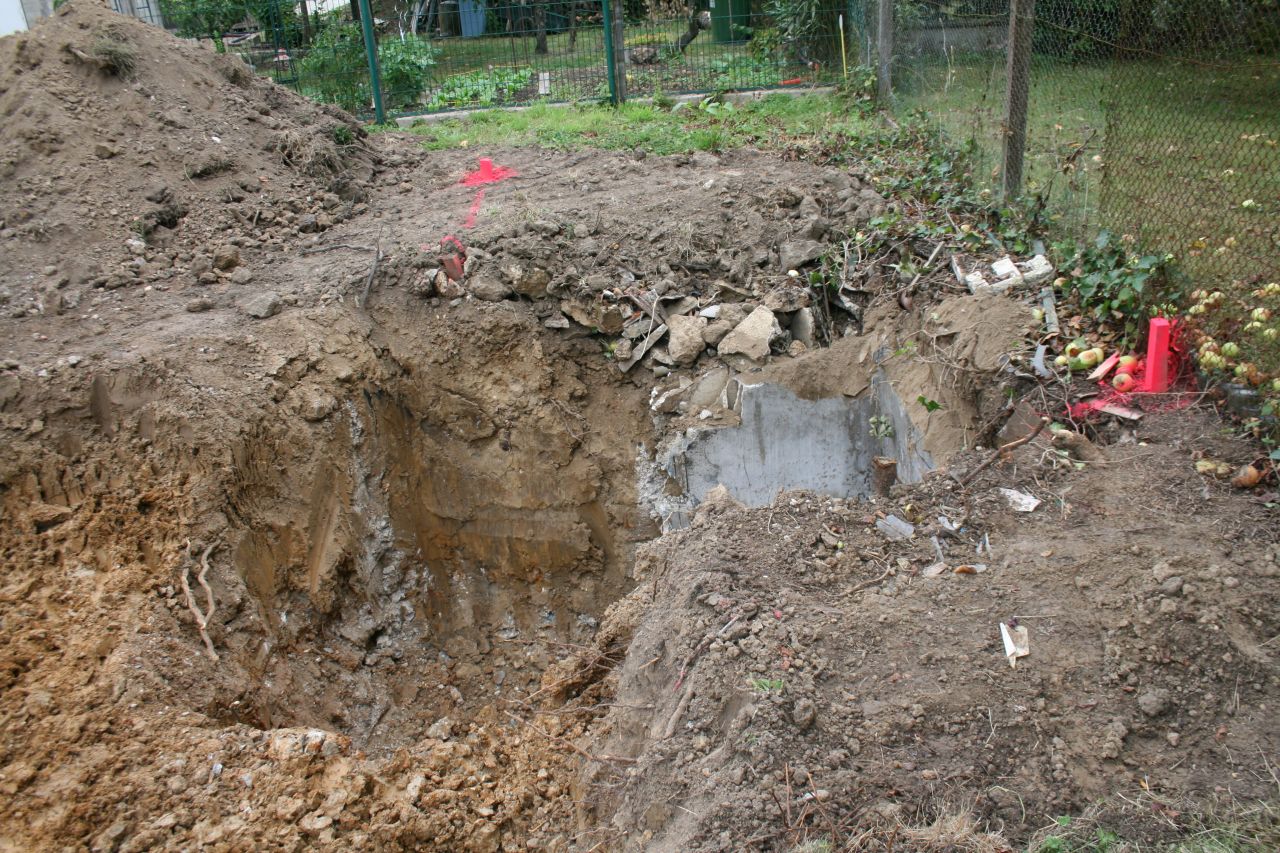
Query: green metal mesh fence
{"points": [[1156, 119], [441, 55]]}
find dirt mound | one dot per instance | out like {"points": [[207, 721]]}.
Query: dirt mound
{"points": [[792, 676], [123, 149]]}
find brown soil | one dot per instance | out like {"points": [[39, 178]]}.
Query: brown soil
{"points": [[417, 509]]}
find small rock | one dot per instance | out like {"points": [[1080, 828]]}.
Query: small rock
{"points": [[109, 839], [1171, 586], [488, 288], [201, 304], [1163, 571], [752, 336], [315, 406], [1153, 703], [307, 224], [262, 305], [794, 254], [226, 258], [532, 283], [441, 729], [804, 714], [1173, 738], [684, 341], [241, 276], [104, 152]]}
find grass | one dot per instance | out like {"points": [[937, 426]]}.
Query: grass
{"points": [[773, 121], [1187, 159]]}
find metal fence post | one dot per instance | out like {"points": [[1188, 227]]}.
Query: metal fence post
{"points": [[614, 50], [884, 52], [609, 57], [371, 51], [1022, 16]]}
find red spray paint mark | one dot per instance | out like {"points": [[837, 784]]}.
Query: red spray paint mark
{"points": [[488, 174], [470, 221]]}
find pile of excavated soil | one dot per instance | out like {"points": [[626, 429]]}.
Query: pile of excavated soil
{"points": [[791, 675], [416, 509], [123, 149]]}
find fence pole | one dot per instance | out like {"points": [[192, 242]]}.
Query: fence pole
{"points": [[884, 52], [1022, 17], [610, 60], [371, 51], [620, 50]]}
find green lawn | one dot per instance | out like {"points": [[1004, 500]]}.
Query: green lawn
{"points": [[1185, 158], [770, 122]]}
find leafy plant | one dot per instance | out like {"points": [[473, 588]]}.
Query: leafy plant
{"points": [[881, 427], [406, 65], [209, 19], [930, 406], [1119, 286], [480, 88], [337, 68]]}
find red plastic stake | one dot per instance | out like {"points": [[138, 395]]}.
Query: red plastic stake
{"points": [[1156, 378]]}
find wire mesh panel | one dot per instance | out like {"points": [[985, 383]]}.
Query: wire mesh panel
{"points": [[721, 45], [1157, 120]]}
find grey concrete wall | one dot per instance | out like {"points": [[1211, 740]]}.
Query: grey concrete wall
{"points": [[786, 443]]}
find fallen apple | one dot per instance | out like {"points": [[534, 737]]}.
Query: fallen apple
{"points": [[1061, 361], [1127, 364], [1076, 347], [1124, 383], [1090, 358]]}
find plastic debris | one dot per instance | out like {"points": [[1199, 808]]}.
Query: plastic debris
{"points": [[1020, 501], [895, 529], [1016, 642]]}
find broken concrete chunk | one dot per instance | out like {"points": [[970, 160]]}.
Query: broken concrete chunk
{"points": [[752, 336], [802, 327], [685, 343], [794, 254], [639, 350], [787, 298], [594, 314], [725, 321]]}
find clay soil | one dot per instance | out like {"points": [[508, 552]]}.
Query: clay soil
{"points": [[445, 615]]}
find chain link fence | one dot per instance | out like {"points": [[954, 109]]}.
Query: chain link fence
{"points": [[1156, 119]]}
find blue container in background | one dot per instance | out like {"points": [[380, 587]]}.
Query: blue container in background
{"points": [[472, 14]]}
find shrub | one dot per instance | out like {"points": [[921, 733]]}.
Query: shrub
{"points": [[337, 70]]}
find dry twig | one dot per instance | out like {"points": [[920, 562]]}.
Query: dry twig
{"points": [[1003, 449]]}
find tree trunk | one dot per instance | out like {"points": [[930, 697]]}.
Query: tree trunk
{"points": [[355, 11], [540, 24], [573, 24], [306, 22], [698, 22]]}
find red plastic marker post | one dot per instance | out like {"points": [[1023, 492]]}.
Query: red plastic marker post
{"points": [[1156, 377]]}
